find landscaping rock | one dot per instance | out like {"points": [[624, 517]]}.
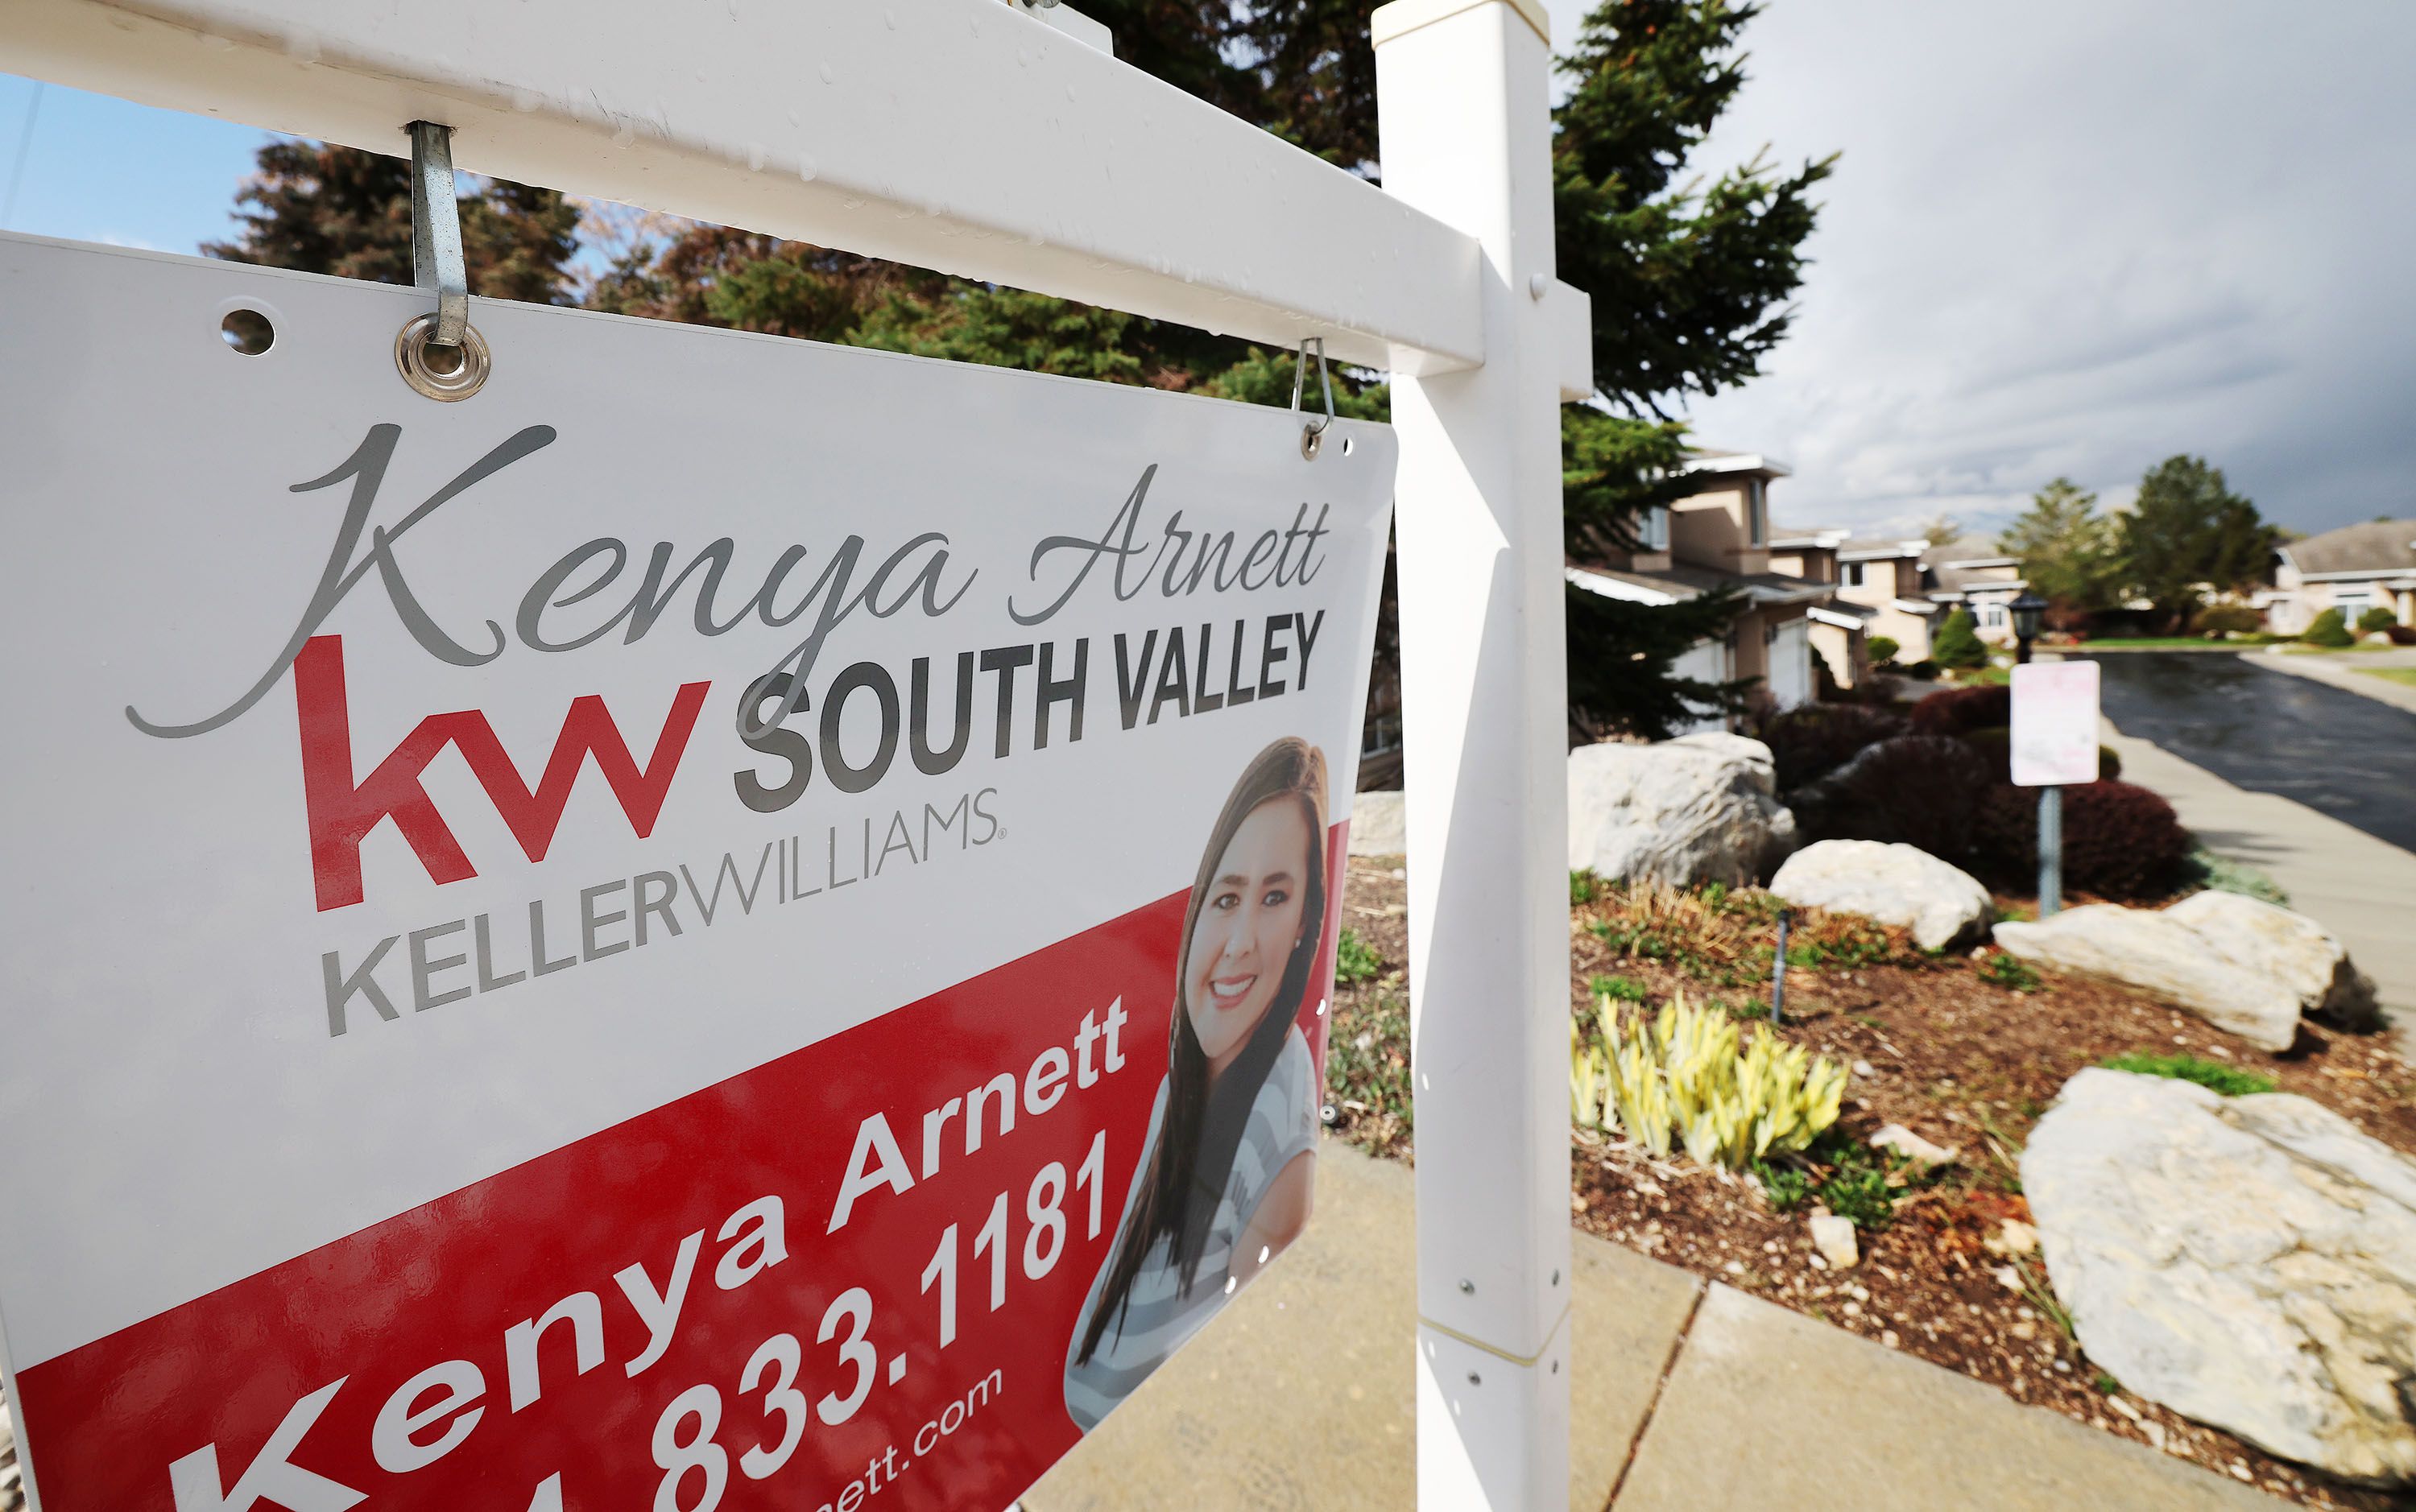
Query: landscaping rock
{"points": [[2285, 947], [2247, 1261], [1921, 1152], [1833, 1238], [1895, 884], [1697, 809], [2162, 954], [1379, 825]]}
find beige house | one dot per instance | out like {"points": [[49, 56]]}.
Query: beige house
{"points": [[1720, 537], [2353, 569], [1970, 574], [1901, 589]]}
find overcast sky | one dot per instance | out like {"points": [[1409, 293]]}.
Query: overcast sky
{"points": [[2079, 237], [2065, 236]]}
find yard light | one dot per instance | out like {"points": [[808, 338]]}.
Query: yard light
{"points": [[2026, 611]]}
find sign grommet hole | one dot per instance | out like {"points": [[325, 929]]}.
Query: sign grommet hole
{"points": [[247, 331]]}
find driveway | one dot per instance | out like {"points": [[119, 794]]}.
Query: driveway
{"points": [[2336, 752]]}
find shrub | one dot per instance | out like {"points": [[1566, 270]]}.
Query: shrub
{"points": [[1883, 649], [2119, 841], [2328, 629], [1922, 791], [1958, 710], [2213, 1075], [1957, 644], [1925, 670], [1812, 742], [2226, 618], [1682, 1072], [2376, 619], [1997, 744], [2402, 634], [1355, 960]]}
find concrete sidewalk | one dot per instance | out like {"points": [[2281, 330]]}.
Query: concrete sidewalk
{"points": [[2348, 670], [1685, 1399], [2361, 889]]}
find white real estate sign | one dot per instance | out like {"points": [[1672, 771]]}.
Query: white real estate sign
{"points": [[632, 938], [2055, 724]]}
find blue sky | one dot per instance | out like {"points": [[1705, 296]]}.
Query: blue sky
{"points": [[101, 169], [2063, 238]]}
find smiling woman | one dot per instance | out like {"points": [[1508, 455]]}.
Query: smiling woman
{"points": [[1224, 1182]]}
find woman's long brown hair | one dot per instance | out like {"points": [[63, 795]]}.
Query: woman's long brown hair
{"points": [[1199, 1132]]}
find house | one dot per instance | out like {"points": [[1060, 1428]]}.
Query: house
{"points": [[2353, 569], [1720, 537], [1970, 574], [1878, 584]]}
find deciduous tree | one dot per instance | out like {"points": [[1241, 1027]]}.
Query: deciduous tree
{"points": [[2189, 532]]}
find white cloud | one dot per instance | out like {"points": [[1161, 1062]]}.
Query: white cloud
{"points": [[2073, 238]]}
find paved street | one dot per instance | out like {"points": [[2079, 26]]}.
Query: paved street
{"points": [[2336, 752]]}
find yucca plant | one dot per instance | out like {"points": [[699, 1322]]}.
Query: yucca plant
{"points": [[1684, 1073]]}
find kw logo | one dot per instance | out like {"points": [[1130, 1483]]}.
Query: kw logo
{"points": [[343, 812]]}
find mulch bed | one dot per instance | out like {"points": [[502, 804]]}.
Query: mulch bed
{"points": [[1933, 1045]]}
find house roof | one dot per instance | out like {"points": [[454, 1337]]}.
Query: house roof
{"points": [[1969, 562], [2377, 546], [1712, 461], [1677, 584], [1808, 537], [1873, 549]]}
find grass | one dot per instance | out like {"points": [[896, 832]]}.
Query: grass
{"points": [[2406, 675], [2231, 1081], [1355, 960], [2174, 642], [1584, 887]]}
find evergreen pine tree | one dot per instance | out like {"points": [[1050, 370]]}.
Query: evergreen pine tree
{"points": [[1957, 644]]}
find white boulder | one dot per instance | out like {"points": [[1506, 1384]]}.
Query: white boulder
{"points": [[1379, 826], [2247, 1261], [2284, 947], [1895, 884], [2164, 955], [1701, 808]]}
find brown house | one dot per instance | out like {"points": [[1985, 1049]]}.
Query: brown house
{"points": [[1720, 537]]}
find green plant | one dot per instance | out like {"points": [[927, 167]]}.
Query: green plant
{"points": [[1355, 960], [2328, 629], [1811, 742], [1584, 887], [2221, 874], [2227, 617], [1617, 989], [1681, 1074], [2107, 1385], [1367, 1069], [1857, 1188], [1883, 649], [1786, 1187], [2010, 972], [1957, 644], [2231, 1081], [1961, 710], [1839, 941], [1920, 790], [2376, 620]]}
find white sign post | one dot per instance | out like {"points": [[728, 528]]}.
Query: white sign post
{"points": [[2054, 746], [846, 124]]}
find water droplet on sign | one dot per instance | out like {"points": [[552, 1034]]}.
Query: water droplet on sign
{"points": [[806, 168], [889, 14], [828, 77]]}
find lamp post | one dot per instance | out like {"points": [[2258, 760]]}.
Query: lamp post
{"points": [[2026, 611]]}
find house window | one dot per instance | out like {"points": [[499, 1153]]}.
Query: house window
{"points": [[1655, 533], [1851, 574], [1757, 497], [1992, 615]]}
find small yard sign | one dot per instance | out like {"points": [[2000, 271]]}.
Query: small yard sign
{"points": [[724, 923], [2055, 724]]}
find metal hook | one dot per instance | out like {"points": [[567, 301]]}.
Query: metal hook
{"points": [[1312, 436], [436, 231]]}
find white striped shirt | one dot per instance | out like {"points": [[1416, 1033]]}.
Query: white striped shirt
{"points": [[1159, 1317]]}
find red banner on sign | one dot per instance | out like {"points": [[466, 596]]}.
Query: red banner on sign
{"points": [[852, 1273]]}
